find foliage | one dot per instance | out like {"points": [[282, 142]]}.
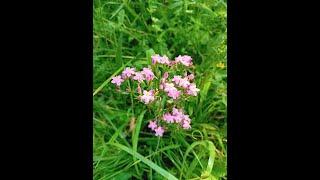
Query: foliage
{"points": [[125, 32]]}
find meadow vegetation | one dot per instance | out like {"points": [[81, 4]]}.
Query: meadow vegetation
{"points": [[126, 34]]}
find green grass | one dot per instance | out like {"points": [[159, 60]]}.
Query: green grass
{"points": [[125, 34]]}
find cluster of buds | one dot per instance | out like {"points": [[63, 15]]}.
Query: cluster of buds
{"points": [[176, 88]]}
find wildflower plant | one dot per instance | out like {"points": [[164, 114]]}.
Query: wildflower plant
{"points": [[162, 87]]}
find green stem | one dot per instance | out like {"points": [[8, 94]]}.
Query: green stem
{"points": [[131, 96]]}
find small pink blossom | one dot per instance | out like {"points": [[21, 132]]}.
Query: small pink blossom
{"points": [[178, 115], [176, 79], [117, 80], [185, 60], [192, 90], [168, 86], [128, 72], [148, 74], [152, 125], [186, 118], [159, 131], [174, 93], [168, 118], [164, 60], [190, 77], [165, 75], [139, 77], [173, 63], [160, 59], [155, 58], [171, 90], [186, 125], [161, 86], [184, 83], [147, 97], [163, 80], [176, 111]]}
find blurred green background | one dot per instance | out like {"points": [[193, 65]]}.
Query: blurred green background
{"points": [[124, 33]]}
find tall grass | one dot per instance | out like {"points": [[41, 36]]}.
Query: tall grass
{"points": [[125, 32]]}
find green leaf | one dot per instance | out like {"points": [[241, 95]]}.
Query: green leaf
{"points": [[121, 17], [135, 136], [136, 131], [204, 90], [149, 53], [190, 110]]}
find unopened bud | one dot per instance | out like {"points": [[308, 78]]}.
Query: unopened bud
{"points": [[139, 89]]}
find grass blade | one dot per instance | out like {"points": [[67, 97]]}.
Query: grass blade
{"points": [[210, 147], [135, 136], [107, 81], [154, 166]]}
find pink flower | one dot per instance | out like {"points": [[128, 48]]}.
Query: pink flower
{"points": [[159, 131], [185, 60], [158, 59], [186, 125], [182, 82], [190, 77], [174, 93], [163, 80], [173, 63], [192, 90], [177, 118], [152, 125], [138, 77], [186, 118], [168, 118], [155, 58], [148, 74], [176, 111], [147, 97], [117, 80], [128, 72], [164, 60], [176, 79], [168, 86], [178, 115], [161, 86], [171, 90], [165, 75]]}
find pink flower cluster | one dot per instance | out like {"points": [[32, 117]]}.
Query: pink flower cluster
{"points": [[157, 129], [174, 86], [184, 83], [130, 73], [171, 90], [147, 97], [145, 74], [117, 80], [160, 59], [185, 60], [177, 116]]}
